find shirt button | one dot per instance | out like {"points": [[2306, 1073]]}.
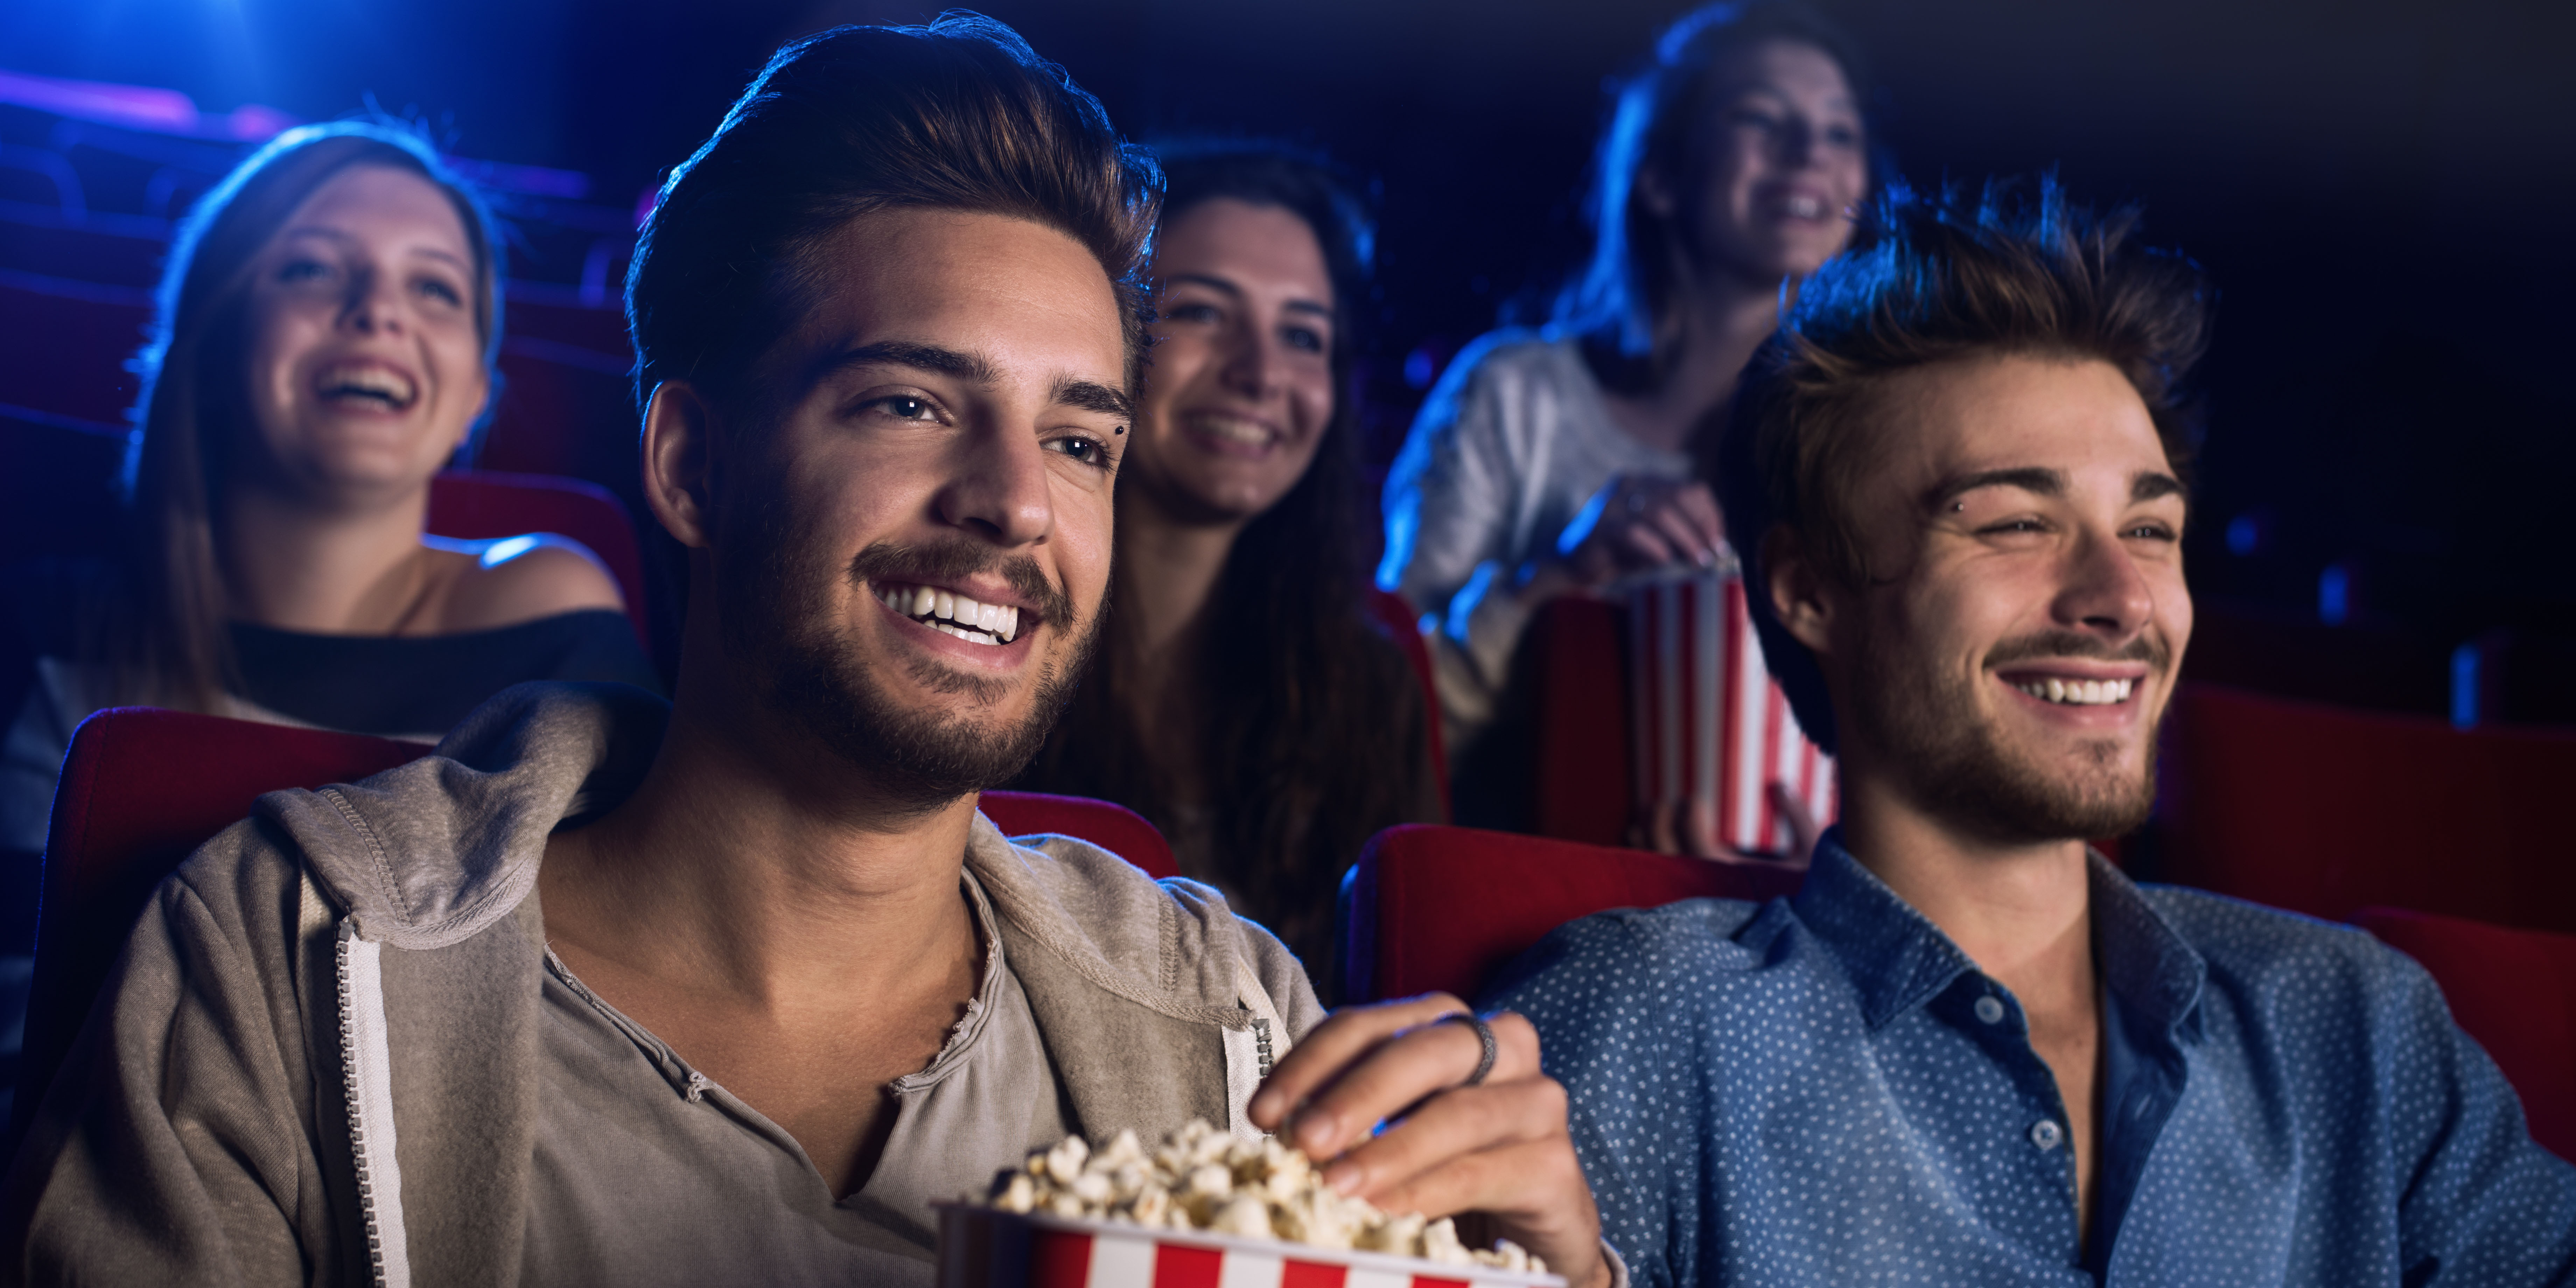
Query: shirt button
{"points": [[1990, 1008], [2047, 1134]]}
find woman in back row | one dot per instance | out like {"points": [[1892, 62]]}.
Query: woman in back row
{"points": [[324, 345], [1244, 699], [1560, 460]]}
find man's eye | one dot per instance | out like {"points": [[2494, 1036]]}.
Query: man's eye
{"points": [[1089, 451], [1753, 119], [1299, 337], [904, 407], [302, 270], [440, 291], [1842, 136], [1190, 313], [2014, 527], [2153, 532]]}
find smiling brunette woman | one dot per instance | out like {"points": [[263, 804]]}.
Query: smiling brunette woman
{"points": [[323, 346], [1243, 700]]}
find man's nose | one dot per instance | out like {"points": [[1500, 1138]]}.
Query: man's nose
{"points": [[2103, 589], [999, 489]]}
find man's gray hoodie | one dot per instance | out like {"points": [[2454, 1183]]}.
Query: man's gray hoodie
{"points": [[318, 1059]]}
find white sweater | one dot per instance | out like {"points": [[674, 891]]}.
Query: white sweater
{"points": [[1508, 448]]}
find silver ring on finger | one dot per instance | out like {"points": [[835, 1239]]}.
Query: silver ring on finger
{"points": [[1484, 1034]]}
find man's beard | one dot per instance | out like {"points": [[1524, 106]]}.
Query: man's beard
{"points": [[780, 619], [1956, 765]]}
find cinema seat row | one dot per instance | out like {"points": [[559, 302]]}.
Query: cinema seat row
{"points": [[1426, 908]]}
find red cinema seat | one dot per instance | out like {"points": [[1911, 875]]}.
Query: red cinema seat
{"points": [[1447, 907], [2512, 990], [1112, 827], [479, 504], [142, 788], [1579, 667], [2327, 811], [1403, 623]]}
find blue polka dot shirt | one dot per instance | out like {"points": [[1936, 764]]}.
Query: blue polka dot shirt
{"points": [[1826, 1090]]}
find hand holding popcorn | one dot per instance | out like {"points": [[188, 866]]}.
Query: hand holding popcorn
{"points": [[1499, 1148]]}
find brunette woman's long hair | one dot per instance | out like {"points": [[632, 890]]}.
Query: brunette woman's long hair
{"points": [[160, 615], [1314, 721]]}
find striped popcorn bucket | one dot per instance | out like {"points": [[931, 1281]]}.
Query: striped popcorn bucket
{"points": [[1712, 729], [980, 1247]]}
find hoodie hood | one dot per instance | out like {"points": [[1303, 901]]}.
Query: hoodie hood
{"points": [[427, 854]]}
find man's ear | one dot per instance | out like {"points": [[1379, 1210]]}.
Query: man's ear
{"points": [[679, 461], [1798, 590]]}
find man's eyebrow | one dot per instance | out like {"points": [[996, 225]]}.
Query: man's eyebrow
{"points": [[2034, 479], [971, 367], [2150, 485], [1091, 396]]}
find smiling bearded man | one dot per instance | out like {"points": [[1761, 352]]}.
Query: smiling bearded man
{"points": [[1969, 1051], [733, 990]]}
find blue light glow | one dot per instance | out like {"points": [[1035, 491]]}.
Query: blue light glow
{"points": [[1419, 368], [2464, 686], [2334, 595], [2244, 535]]}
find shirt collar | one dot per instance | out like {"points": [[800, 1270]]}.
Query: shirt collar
{"points": [[1897, 959], [2145, 963]]}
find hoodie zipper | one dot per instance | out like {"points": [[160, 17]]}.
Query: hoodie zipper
{"points": [[353, 1092]]}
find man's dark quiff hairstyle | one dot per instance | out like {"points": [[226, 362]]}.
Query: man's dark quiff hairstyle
{"points": [[1993, 272], [959, 115]]}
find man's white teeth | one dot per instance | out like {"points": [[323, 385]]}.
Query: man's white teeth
{"points": [[1232, 429], [955, 614], [2079, 693], [1805, 207]]}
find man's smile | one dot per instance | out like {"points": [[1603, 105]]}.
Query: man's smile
{"points": [[954, 613]]}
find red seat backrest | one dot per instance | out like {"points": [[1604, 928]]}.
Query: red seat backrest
{"points": [[2512, 990], [480, 504], [142, 788], [1447, 907], [2325, 811], [1581, 774], [1403, 623], [1112, 827]]}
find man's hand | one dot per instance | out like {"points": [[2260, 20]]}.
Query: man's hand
{"points": [[1501, 1149]]}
